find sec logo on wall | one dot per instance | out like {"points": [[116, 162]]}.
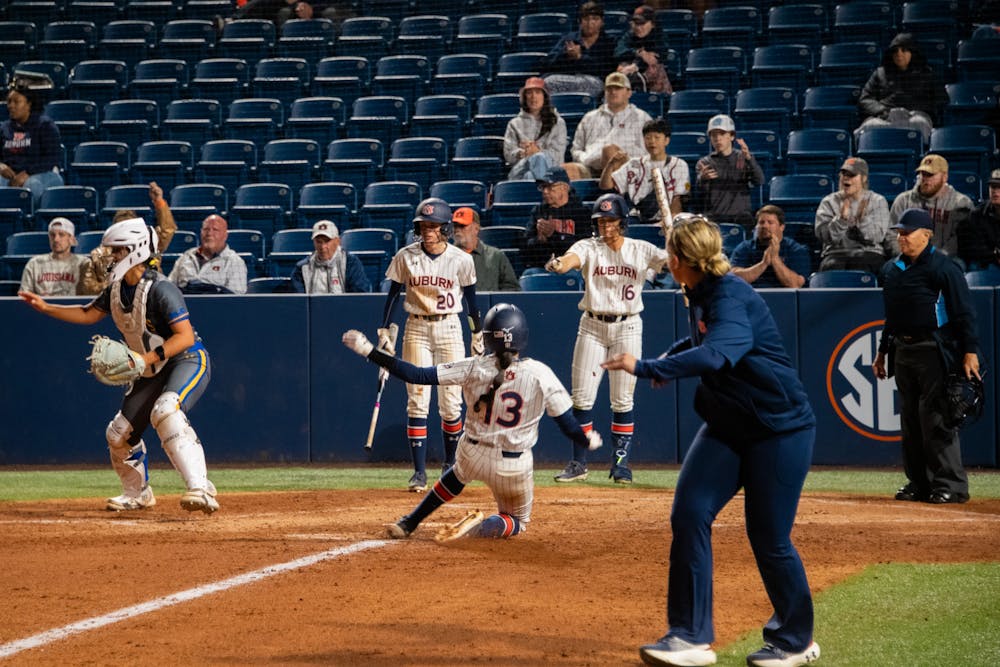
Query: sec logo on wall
{"points": [[866, 405]]}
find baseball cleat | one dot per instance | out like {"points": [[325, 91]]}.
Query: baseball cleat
{"points": [[676, 652], [418, 482], [574, 471], [460, 529], [621, 474], [772, 656], [125, 503], [397, 531], [195, 500]]}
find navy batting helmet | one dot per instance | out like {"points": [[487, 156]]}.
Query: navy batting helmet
{"points": [[505, 328], [436, 211], [610, 205]]}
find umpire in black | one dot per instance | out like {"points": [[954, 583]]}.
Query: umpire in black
{"points": [[930, 331]]}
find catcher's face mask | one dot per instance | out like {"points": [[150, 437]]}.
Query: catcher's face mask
{"points": [[963, 400]]}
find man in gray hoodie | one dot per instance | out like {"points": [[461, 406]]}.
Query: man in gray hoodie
{"points": [[948, 208]]}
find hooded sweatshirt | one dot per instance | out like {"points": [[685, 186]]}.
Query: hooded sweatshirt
{"points": [[917, 88]]}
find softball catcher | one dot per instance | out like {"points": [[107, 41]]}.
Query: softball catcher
{"points": [[614, 269], [163, 364], [508, 394], [436, 276]]}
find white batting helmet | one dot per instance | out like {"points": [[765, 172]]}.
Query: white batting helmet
{"points": [[137, 236]]}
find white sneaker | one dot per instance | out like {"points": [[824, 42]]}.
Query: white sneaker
{"points": [[460, 529], [676, 652], [194, 500], [126, 503], [772, 656]]}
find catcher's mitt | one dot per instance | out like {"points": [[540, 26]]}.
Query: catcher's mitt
{"points": [[113, 363]]}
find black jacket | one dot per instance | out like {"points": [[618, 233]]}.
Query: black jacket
{"points": [[917, 88], [979, 237]]}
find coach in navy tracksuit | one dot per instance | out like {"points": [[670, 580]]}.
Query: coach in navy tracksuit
{"points": [[758, 434], [930, 331]]}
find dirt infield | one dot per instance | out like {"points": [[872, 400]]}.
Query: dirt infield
{"points": [[584, 586]]}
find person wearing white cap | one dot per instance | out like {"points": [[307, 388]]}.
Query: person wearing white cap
{"points": [[56, 273], [612, 128], [979, 237], [213, 267], [329, 269], [948, 208], [724, 176], [535, 139]]}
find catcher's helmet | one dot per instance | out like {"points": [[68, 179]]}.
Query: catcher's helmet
{"points": [[436, 211], [137, 236], [610, 205], [963, 399], [505, 328]]}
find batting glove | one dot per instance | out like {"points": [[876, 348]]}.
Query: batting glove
{"points": [[553, 265], [358, 342], [478, 346], [595, 440], [385, 343]]}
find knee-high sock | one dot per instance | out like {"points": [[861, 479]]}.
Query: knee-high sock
{"points": [[622, 427], [587, 422], [499, 526], [452, 431], [443, 491], [416, 433]]}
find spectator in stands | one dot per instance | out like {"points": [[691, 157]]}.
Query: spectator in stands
{"points": [[633, 177], [769, 259], [724, 176], [56, 273], [329, 269], [213, 267], [581, 59], [640, 52], [613, 127], [948, 207], [852, 224], [494, 272], [535, 140], [30, 146], [95, 269], [979, 236], [281, 11], [904, 91], [557, 223]]}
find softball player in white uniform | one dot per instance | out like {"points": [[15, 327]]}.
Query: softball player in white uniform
{"points": [[508, 396], [436, 276], [614, 270]]}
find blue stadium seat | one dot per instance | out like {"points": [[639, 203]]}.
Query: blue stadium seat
{"points": [[887, 184], [251, 40], [159, 12], [87, 241], [365, 36], [406, 76], [783, 66], [572, 107], [715, 68], [587, 189], [188, 40], [841, 278], [817, 150], [540, 31], [346, 77], [732, 26], [847, 63], [222, 79], [68, 41], [78, 203], [332, 201], [892, 149], [294, 162], [652, 103], [194, 202], [494, 111], [260, 118], [54, 69], [690, 147], [247, 241], [767, 148], [285, 79], [28, 243], [266, 207], [390, 205], [381, 117], [422, 160], [571, 281], [195, 121], [502, 236], [100, 164], [931, 18], [515, 68], [76, 120], [131, 121], [427, 35], [478, 158], [100, 81], [732, 235], [460, 193], [227, 162], [22, 31], [269, 285], [486, 24], [863, 20], [461, 74], [512, 204], [160, 80], [312, 39], [448, 117], [356, 161], [978, 60], [971, 102], [128, 41], [985, 278], [690, 110], [679, 27], [774, 109], [316, 118], [121, 198], [831, 106], [353, 240], [799, 194], [15, 210], [169, 163], [797, 24], [968, 183], [966, 147], [288, 246]]}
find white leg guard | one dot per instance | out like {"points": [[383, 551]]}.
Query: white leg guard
{"points": [[180, 441], [128, 462]]}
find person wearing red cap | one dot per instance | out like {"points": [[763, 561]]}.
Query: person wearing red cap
{"points": [[494, 272], [535, 140]]}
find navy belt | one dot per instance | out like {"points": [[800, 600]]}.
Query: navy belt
{"points": [[429, 318], [608, 318], [505, 454]]}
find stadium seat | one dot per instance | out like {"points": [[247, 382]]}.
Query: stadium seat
{"points": [[78, 203], [194, 202], [188, 40], [125, 198], [464, 74], [571, 281], [847, 63], [266, 207], [406, 76], [100, 164], [445, 116], [422, 160], [269, 285], [390, 205], [356, 161], [312, 39], [354, 240], [260, 118], [985, 278], [512, 203], [652, 103], [381, 117], [316, 118], [251, 40], [15, 210], [426, 35], [485, 24], [891, 149], [294, 162], [782, 66], [797, 24], [515, 68], [841, 278], [587, 189], [931, 18], [365, 36], [128, 41], [54, 69], [28, 243], [652, 233], [968, 183], [478, 158], [195, 121], [690, 110], [816, 151], [732, 235], [222, 79], [131, 121], [227, 162], [774, 109], [460, 193], [738, 26], [540, 31], [978, 60], [679, 28], [76, 120], [87, 241], [100, 81], [158, 12], [831, 106], [502, 236], [247, 241], [572, 107], [68, 41], [966, 147], [799, 194], [285, 79], [169, 163], [886, 184], [863, 20], [715, 68], [160, 80], [767, 149], [23, 31], [493, 112], [327, 201], [346, 77], [971, 102]]}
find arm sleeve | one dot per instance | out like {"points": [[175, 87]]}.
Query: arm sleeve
{"points": [[403, 369], [469, 292], [870, 102], [298, 282], [511, 144], [555, 142], [390, 302], [830, 227], [508, 278], [571, 428]]}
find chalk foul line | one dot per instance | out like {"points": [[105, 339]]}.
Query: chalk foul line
{"points": [[56, 634]]}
